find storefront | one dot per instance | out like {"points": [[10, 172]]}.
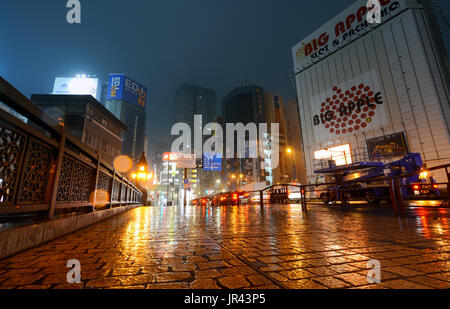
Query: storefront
{"points": [[374, 91]]}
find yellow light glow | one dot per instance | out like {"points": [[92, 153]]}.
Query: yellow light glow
{"points": [[423, 175], [142, 168], [134, 176], [123, 164], [341, 154], [289, 150]]}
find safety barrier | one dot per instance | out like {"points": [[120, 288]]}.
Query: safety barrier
{"points": [[43, 168]]}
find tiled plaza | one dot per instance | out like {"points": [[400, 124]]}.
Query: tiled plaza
{"points": [[276, 247]]}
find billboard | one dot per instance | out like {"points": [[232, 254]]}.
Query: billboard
{"points": [[349, 107], [388, 146], [186, 161], [212, 162], [77, 85], [341, 30], [121, 87]]}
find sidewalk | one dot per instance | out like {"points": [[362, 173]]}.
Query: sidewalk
{"points": [[244, 247]]}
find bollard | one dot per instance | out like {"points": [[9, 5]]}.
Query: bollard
{"points": [[393, 196], [399, 196]]}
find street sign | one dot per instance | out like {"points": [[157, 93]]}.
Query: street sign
{"points": [[212, 162], [187, 184], [186, 161]]}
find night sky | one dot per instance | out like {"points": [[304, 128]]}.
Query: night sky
{"points": [[161, 43]]}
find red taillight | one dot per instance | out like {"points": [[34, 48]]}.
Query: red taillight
{"points": [[416, 187], [436, 186], [235, 197], [203, 201]]}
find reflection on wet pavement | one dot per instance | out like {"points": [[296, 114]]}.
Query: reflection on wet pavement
{"points": [[245, 247]]}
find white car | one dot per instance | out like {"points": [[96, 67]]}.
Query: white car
{"points": [[294, 193]]}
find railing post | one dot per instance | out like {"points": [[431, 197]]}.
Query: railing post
{"points": [[447, 202], [399, 196], [59, 162], [393, 196], [121, 192], [97, 174], [261, 198], [303, 195], [112, 189]]}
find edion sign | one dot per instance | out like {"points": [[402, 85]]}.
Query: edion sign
{"points": [[121, 87], [341, 30]]}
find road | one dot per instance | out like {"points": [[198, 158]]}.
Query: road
{"points": [[277, 246]]}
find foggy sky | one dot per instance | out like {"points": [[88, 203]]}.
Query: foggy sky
{"points": [[161, 43]]}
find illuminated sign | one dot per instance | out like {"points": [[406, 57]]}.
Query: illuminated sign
{"points": [[341, 154], [124, 88], [212, 162], [170, 156], [76, 85], [389, 146], [341, 30], [186, 161]]}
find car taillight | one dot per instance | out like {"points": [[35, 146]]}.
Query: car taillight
{"points": [[416, 187], [436, 186], [222, 198], [235, 197]]}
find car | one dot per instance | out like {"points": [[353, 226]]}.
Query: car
{"points": [[200, 202], [294, 193], [225, 199]]}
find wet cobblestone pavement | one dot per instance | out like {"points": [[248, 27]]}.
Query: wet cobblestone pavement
{"points": [[278, 247]]}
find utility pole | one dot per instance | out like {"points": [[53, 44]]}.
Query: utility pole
{"points": [[184, 187], [168, 183]]}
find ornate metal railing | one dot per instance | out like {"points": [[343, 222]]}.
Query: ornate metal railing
{"points": [[43, 168]]}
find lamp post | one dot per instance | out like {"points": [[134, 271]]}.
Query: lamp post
{"points": [[289, 152], [142, 176]]}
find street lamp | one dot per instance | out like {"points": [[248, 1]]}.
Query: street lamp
{"points": [[142, 175]]}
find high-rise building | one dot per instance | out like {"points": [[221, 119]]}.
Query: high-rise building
{"points": [[275, 113], [374, 91], [191, 100], [87, 119], [295, 156], [243, 105], [127, 100]]}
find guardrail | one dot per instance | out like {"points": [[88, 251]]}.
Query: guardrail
{"points": [[43, 168], [391, 186]]}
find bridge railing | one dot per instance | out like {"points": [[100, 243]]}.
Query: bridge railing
{"points": [[43, 168]]}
